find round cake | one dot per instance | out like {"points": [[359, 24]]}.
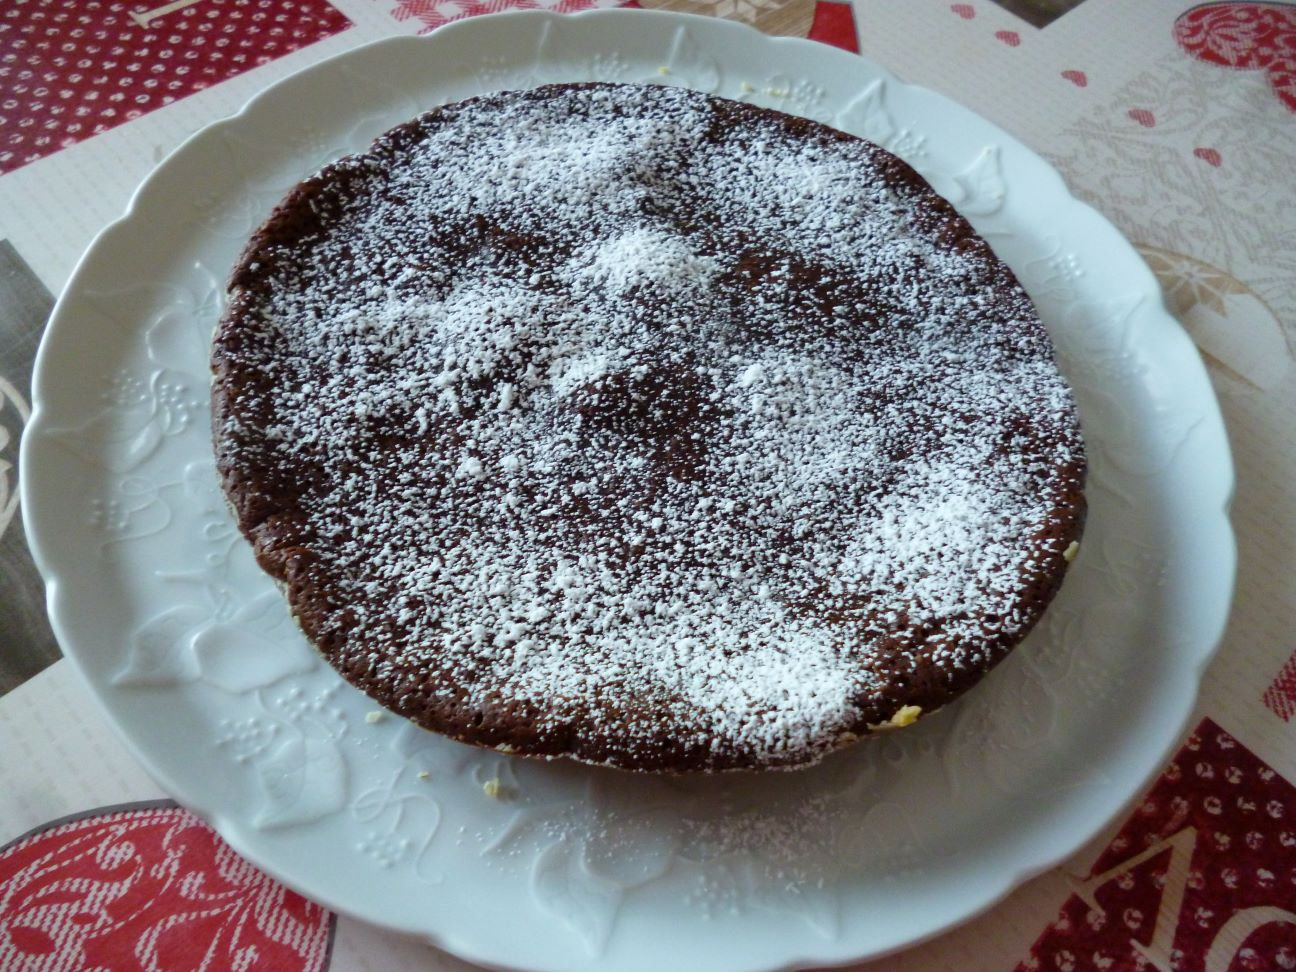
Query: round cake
{"points": [[643, 427]]}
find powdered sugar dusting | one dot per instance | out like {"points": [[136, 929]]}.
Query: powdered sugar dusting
{"points": [[644, 257], [636, 427]]}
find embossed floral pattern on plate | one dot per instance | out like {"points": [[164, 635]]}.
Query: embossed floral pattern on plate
{"points": [[191, 650]]}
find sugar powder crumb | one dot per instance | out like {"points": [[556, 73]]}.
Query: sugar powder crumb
{"points": [[641, 429]]}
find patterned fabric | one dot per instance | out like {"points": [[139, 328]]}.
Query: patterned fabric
{"points": [[1280, 697], [828, 21], [71, 69], [148, 888], [1250, 36], [1201, 878], [433, 13]]}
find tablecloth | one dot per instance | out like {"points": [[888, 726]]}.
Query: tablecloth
{"points": [[1177, 122]]}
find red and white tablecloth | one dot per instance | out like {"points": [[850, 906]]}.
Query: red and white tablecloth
{"points": [[1176, 121]]}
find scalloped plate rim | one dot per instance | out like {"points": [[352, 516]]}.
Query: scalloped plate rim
{"points": [[243, 838]]}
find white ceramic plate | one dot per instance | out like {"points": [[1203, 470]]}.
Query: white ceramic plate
{"points": [[189, 647]]}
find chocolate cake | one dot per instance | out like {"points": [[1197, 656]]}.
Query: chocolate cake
{"points": [[643, 427]]}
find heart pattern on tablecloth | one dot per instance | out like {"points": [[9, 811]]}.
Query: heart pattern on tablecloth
{"points": [[149, 887], [1246, 36], [1209, 155]]}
